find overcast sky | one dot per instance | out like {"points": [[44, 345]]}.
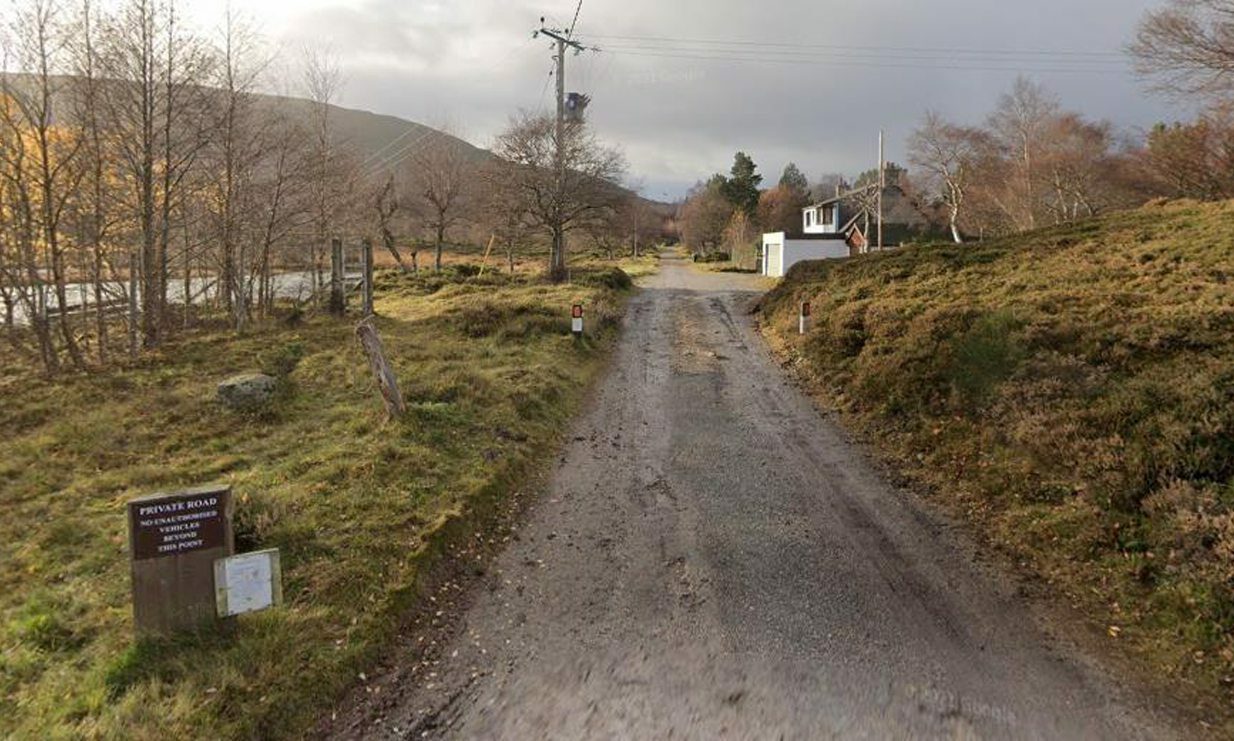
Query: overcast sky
{"points": [[814, 82]]}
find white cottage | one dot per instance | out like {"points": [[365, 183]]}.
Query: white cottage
{"points": [[825, 236]]}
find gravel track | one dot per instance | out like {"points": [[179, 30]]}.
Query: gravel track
{"points": [[714, 558]]}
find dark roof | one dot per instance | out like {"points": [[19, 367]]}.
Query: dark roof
{"points": [[790, 237], [843, 196]]}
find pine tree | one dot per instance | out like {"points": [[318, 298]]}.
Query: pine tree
{"points": [[741, 189], [794, 180]]}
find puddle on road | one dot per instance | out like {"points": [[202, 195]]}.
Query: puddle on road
{"points": [[693, 351]]}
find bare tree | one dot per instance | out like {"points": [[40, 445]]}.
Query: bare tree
{"points": [[949, 155], [43, 172], [501, 209], [558, 202], [388, 205], [94, 211], [1194, 160], [235, 154], [704, 215], [441, 179], [740, 239], [1187, 48], [155, 113], [641, 222], [1078, 163], [1019, 124], [322, 79]]}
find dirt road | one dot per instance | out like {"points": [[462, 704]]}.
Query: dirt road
{"points": [[714, 559]]}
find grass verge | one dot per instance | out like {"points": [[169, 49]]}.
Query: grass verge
{"points": [[358, 506], [1071, 392]]}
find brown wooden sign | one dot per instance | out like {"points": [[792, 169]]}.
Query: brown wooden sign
{"points": [[174, 540], [167, 525]]}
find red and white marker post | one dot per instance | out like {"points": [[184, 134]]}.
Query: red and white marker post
{"points": [[576, 321], [803, 319]]}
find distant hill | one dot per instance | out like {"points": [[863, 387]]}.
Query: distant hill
{"points": [[374, 135], [377, 138]]}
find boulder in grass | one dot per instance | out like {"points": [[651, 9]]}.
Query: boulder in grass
{"points": [[247, 392]]}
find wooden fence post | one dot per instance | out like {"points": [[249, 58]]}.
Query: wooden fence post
{"points": [[338, 297], [368, 277], [387, 382]]}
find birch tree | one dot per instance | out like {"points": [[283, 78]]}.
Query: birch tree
{"points": [[949, 155], [1019, 124], [41, 167]]}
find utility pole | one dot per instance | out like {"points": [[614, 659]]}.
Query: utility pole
{"points": [[882, 185], [557, 268]]}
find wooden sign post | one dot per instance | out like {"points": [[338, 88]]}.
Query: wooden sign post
{"points": [[174, 540], [387, 382], [366, 260], [338, 296]]}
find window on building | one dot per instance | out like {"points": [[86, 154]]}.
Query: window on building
{"points": [[829, 214]]}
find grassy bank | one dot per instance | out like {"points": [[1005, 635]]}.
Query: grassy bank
{"points": [[1071, 392], [355, 504]]}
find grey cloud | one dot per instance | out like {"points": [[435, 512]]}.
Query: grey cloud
{"points": [[680, 119]]}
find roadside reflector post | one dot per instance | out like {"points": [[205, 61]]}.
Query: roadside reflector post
{"points": [[803, 321], [576, 321]]}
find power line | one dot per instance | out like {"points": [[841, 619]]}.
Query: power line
{"points": [[983, 66], [573, 23], [389, 144], [859, 56], [874, 48], [398, 157]]}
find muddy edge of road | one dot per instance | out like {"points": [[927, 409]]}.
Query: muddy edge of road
{"points": [[458, 576], [459, 562]]}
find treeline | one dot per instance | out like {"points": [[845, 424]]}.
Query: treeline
{"points": [[143, 177], [137, 164], [725, 214], [1031, 162]]}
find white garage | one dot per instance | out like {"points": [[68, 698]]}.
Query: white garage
{"points": [[781, 253]]}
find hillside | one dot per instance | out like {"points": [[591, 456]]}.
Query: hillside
{"points": [[376, 139], [374, 135], [1071, 393]]}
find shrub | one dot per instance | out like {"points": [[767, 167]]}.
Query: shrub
{"points": [[614, 279], [256, 516], [41, 624], [983, 357], [282, 361]]}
